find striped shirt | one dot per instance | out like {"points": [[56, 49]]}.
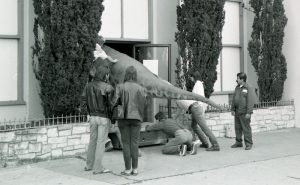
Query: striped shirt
{"points": [[168, 126]]}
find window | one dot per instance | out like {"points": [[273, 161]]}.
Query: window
{"points": [[230, 57], [125, 19], [11, 45]]}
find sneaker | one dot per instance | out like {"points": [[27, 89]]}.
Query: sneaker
{"points": [[87, 169], [126, 172], [134, 172], [114, 60], [108, 146], [236, 145], [213, 148], [204, 145], [194, 149], [102, 172], [183, 149], [248, 147], [197, 142]]}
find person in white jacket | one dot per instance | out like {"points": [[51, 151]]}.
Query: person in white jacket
{"points": [[197, 110]]}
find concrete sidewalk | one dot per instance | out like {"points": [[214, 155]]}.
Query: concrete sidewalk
{"points": [[274, 159]]}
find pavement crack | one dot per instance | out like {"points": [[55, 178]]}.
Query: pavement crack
{"points": [[298, 178]]}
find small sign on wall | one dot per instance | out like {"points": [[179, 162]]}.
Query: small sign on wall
{"points": [[152, 65]]}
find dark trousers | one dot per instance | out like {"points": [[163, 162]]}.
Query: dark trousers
{"points": [[199, 125], [130, 134], [242, 126]]}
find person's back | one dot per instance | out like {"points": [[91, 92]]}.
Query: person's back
{"points": [[133, 98], [96, 94], [168, 126]]}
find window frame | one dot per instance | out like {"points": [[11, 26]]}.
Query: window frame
{"points": [[20, 38], [125, 39], [237, 46]]}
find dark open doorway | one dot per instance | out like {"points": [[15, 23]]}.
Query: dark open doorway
{"points": [[126, 48]]}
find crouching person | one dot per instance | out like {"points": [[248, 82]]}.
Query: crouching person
{"points": [[181, 138]]}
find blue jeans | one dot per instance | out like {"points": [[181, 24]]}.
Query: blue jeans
{"points": [[130, 134], [99, 127], [182, 136], [198, 120]]}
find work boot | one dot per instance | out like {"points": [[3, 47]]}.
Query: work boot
{"points": [[248, 147], [213, 148], [236, 145], [108, 146], [204, 145]]}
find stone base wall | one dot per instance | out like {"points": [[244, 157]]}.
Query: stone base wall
{"points": [[45, 142], [272, 118], [51, 142]]}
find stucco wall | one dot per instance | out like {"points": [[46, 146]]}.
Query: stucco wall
{"points": [[32, 107], [34, 102], [291, 50]]}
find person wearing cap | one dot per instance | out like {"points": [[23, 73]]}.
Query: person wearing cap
{"points": [[197, 110], [181, 142]]}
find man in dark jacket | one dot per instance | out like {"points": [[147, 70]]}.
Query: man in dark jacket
{"points": [[97, 96], [241, 109], [181, 138]]}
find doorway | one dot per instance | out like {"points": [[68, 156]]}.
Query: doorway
{"points": [[155, 57]]}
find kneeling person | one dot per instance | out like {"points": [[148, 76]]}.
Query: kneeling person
{"points": [[181, 142]]}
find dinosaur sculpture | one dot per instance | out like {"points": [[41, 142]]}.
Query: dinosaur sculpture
{"points": [[156, 87]]}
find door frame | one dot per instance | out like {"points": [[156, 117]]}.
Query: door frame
{"points": [[169, 64]]}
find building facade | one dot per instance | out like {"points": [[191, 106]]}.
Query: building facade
{"points": [[145, 27]]}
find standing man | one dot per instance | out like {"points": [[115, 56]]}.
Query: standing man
{"points": [[241, 109], [181, 142], [197, 110], [97, 96]]}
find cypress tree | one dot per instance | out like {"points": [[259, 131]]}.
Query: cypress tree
{"points": [[199, 39], [265, 48], [65, 34]]}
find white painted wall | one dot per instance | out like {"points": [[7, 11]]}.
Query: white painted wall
{"points": [[17, 112], [164, 28], [291, 50], [32, 107], [35, 109], [247, 26]]}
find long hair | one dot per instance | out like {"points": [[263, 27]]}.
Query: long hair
{"points": [[130, 74], [101, 73]]}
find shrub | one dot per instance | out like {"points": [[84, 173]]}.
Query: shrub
{"points": [[265, 48], [199, 40], [65, 34]]}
